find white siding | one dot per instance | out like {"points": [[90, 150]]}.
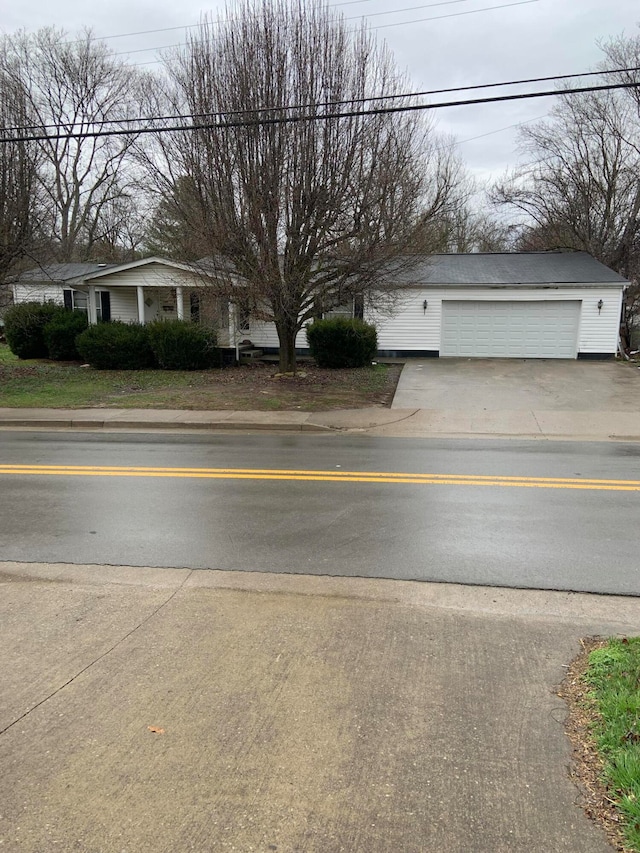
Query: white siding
{"points": [[263, 334], [38, 292], [124, 303], [599, 330], [413, 328]]}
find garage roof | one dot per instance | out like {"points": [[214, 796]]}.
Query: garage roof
{"points": [[512, 268]]}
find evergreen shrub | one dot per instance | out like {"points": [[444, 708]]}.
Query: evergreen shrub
{"points": [[60, 335], [183, 345], [116, 346], [24, 327], [342, 342]]}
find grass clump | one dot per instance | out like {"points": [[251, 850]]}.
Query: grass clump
{"points": [[613, 677]]}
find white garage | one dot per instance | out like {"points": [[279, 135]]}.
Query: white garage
{"points": [[517, 329], [504, 305]]}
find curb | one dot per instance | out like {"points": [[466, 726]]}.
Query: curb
{"points": [[67, 423]]}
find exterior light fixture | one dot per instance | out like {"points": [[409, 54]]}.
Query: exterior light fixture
{"points": [[424, 307], [600, 304]]}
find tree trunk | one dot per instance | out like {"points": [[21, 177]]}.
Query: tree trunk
{"points": [[287, 340]]}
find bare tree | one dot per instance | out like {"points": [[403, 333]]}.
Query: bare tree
{"points": [[304, 210], [582, 190], [74, 87], [582, 187], [175, 230], [18, 171]]}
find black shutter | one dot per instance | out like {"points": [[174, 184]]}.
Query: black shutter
{"points": [[68, 301], [194, 301], [105, 302]]}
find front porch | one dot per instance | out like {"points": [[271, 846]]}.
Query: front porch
{"points": [[145, 304]]}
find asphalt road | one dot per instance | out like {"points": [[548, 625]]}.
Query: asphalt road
{"points": [[229, 510]]}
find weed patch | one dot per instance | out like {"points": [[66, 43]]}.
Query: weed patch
{"points": [[602, 689]]}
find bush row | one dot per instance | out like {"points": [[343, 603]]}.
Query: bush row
{"points": [[36, 330], [169, 344]]}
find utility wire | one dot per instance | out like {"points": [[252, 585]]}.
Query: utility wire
{"points": [[263, 122], [372, 99], [358, 17], [227, 20], [454, 14], [498, 130]]}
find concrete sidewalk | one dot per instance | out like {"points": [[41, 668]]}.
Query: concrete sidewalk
{"points": [[425, 423], [154, 711]]}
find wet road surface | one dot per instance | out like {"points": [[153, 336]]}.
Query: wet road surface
{"points": [[548, 515]]}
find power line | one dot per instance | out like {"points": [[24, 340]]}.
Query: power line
{"points": [[323, 104], [263, 122], [227, 20], [358, 17], [498, 130], [454, 14]]}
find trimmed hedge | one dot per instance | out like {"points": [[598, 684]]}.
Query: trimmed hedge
{"points": [[61, 332], [24, 327], [342, 342], [116, 346], [182, 345]]}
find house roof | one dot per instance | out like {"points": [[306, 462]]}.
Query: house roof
{"points": [[514, 268], [110, 269], [78, 273], [61, 272], [498, 269]]}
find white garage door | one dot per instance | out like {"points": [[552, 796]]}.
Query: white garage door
{"points": [[510, 329]]}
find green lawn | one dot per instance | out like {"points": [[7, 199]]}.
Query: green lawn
{"points": [[46, 384], [613, 679]]}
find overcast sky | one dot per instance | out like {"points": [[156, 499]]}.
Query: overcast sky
{"points": [[531, 39]]}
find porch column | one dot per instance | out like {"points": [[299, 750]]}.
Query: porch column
{"points": [[92, 314], [140, 291], [180, 303]]}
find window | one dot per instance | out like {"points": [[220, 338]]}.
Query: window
{"points": [[244, 319], [78, 300], [353, 308], [194, 306], [345, 310]]}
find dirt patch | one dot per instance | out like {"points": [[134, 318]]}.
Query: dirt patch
{"points": [[586, 767]]}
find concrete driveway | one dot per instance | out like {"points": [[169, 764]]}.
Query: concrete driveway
{"points": [[497, 384]]}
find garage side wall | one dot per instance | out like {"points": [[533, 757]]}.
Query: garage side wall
{"points": [[416, 330]]}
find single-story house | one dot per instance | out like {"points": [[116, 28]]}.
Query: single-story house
{"points": [[134, 292], [511, 305]]}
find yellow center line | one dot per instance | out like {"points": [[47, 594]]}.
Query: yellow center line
{"points": [[321, 476]]}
